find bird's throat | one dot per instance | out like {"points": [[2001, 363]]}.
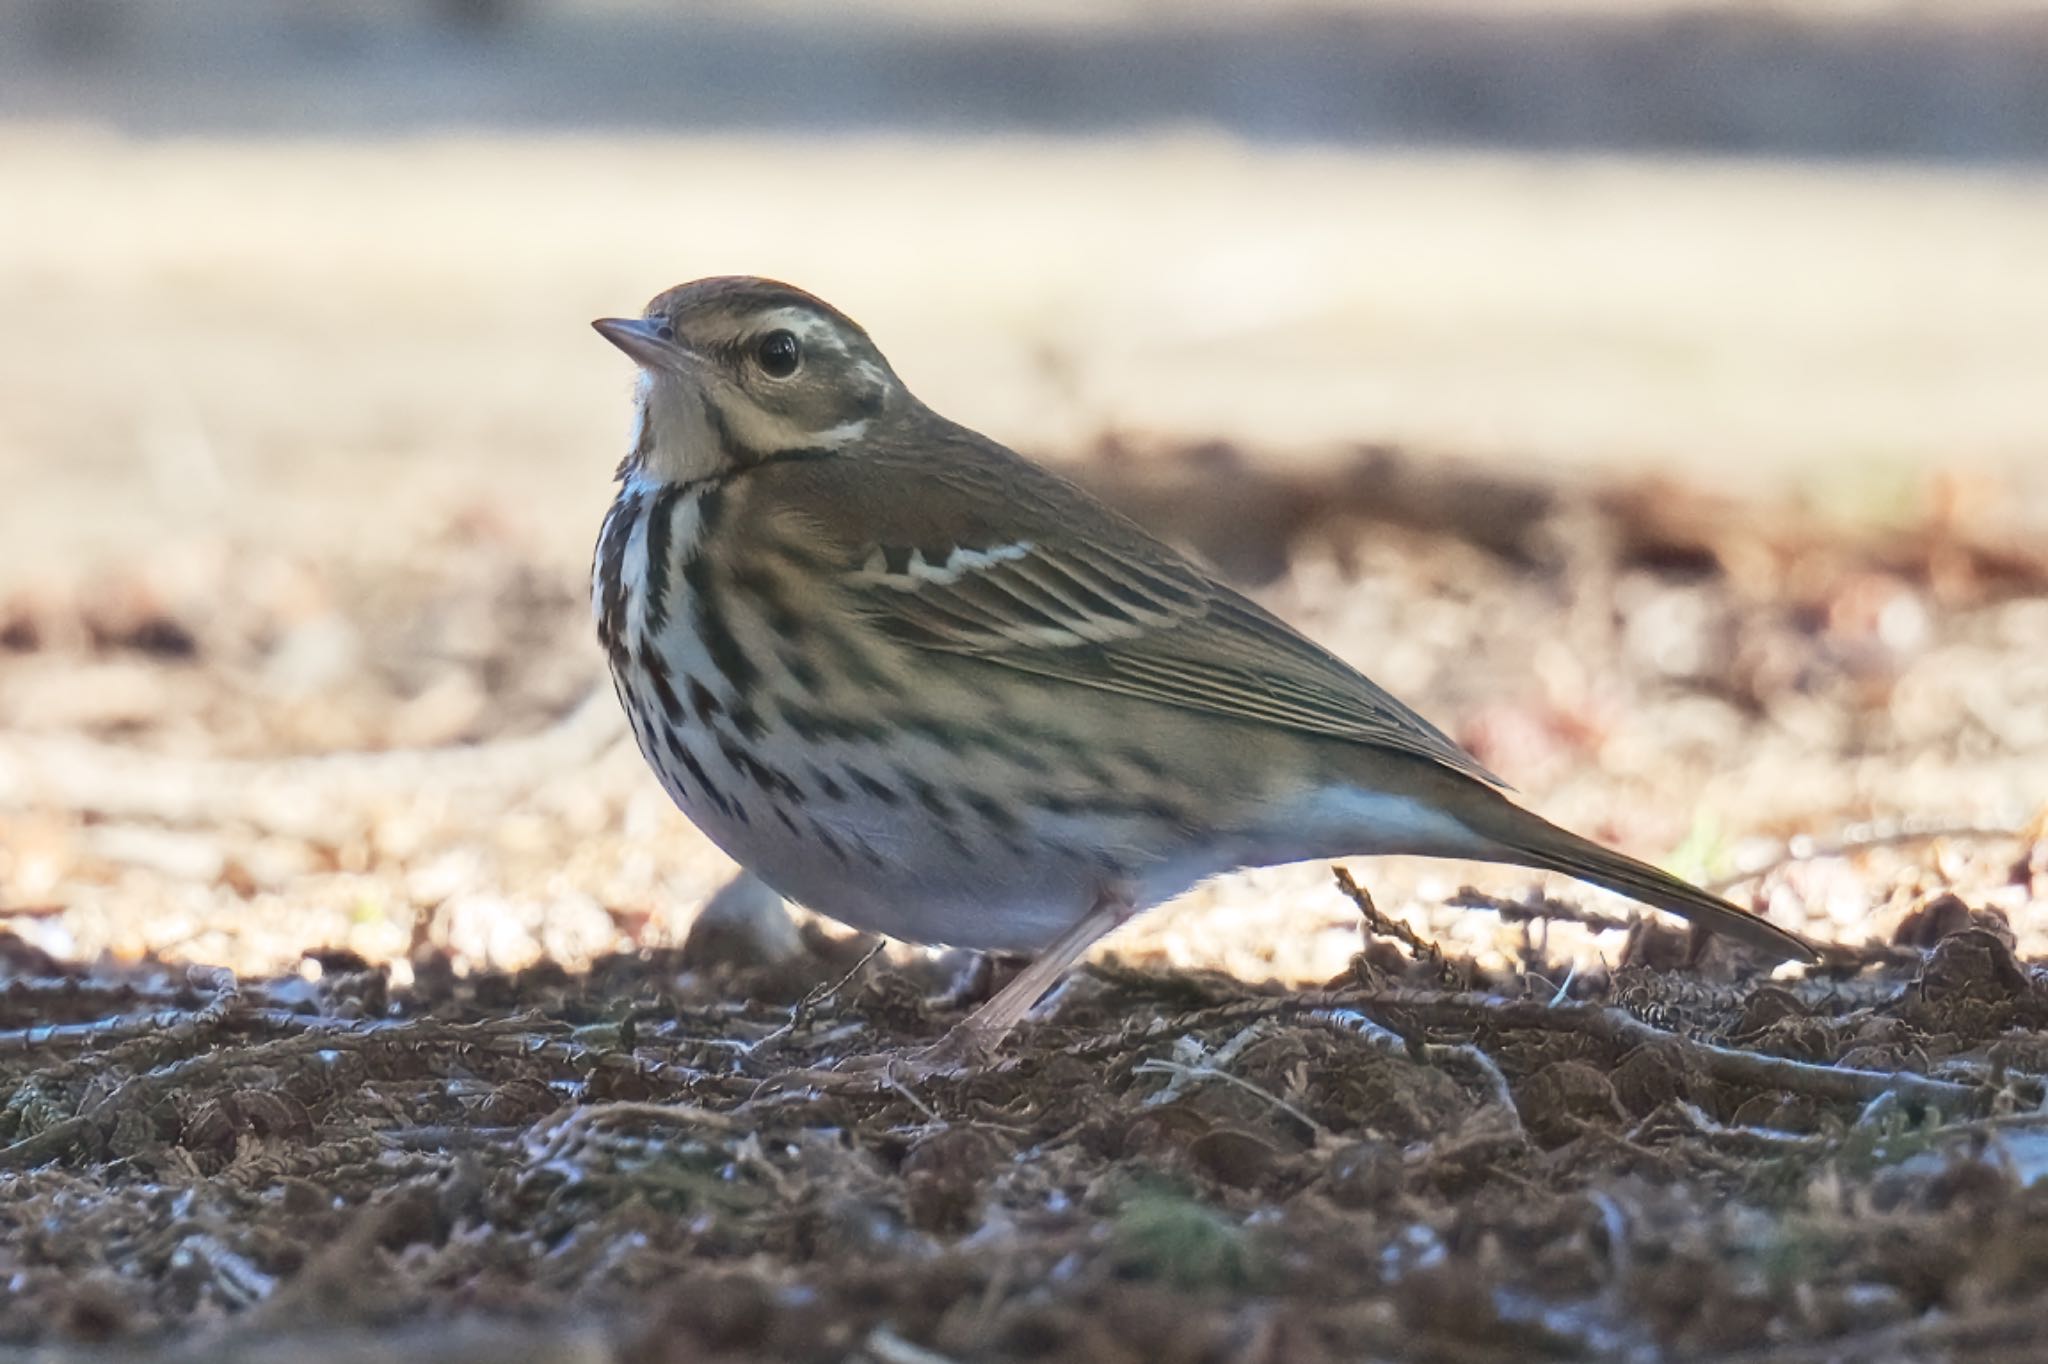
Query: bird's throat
{"points": [[674, 438]]}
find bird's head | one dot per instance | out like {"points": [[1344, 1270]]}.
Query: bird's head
{"points": [[734, 370]]}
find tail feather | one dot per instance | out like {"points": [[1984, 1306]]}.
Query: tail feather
{"points": [[1532, 841]]}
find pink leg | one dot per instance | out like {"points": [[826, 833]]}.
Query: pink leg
{"points": [[984, 1029]]}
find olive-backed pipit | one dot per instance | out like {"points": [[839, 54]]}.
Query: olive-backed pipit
{"points": [[920, 684]]}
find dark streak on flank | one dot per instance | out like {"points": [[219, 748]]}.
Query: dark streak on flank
{"points": [[747, 721], [813, 726], [869, 851], [771, 599], [743, 763], [661, 519], [832, 845], [1001, 735], [704, 702], [712, 627], [611, 577], [656, 669], [802, 723], [855, 663], [771, 779], [885, 794], [947, 736], [1143, 761], [697, 773], [801, 671], [1142, 807], [828, 788], [927, 794], [710, 507], [994, 811]]}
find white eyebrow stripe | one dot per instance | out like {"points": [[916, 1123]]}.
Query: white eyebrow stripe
{"points": [[808, 326]]}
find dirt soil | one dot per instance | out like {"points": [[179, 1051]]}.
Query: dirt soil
{"points": [[423, 1052]]}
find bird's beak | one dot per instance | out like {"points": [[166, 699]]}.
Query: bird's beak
{"points": [[644, 341]]}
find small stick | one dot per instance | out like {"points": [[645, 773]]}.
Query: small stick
{"points": [[800, 1012], [1182, 1071], [1376, 922], [1831, 1084]]}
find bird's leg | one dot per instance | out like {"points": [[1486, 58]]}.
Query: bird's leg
{"points": [[975, 1038], [982, 1031]]}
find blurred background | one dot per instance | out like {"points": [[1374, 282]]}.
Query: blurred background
{"points": [[1653, 393]]}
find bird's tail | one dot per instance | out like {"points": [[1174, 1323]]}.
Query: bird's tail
{"points": [[1529, 840]]}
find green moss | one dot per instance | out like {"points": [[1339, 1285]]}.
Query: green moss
{"points": [[1164, 1235]]}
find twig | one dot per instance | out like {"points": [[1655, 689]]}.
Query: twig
{"points": [[47, 1145], [1831, 1084], [548, 1139], [173, 1030], [1538, 906], [1377, 922], [1218, 1059], [1180, 1070], [800, 1012], [1740, 1138], [1439, 1054], [98, 1032], [172, 1025], [441, 1137]]}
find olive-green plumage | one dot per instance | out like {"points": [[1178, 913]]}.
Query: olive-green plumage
{"points": [[924, 685]]}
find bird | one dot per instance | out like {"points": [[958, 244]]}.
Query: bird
{"points": [[934, 690]]}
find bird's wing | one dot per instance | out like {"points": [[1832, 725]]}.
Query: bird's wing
{"points": [[1026, 571]]}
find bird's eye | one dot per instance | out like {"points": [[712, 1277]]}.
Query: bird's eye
{"points": [[778, 354]]}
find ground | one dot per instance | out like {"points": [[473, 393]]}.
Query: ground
{"points": [[357, 1001], [506, 1083]]}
